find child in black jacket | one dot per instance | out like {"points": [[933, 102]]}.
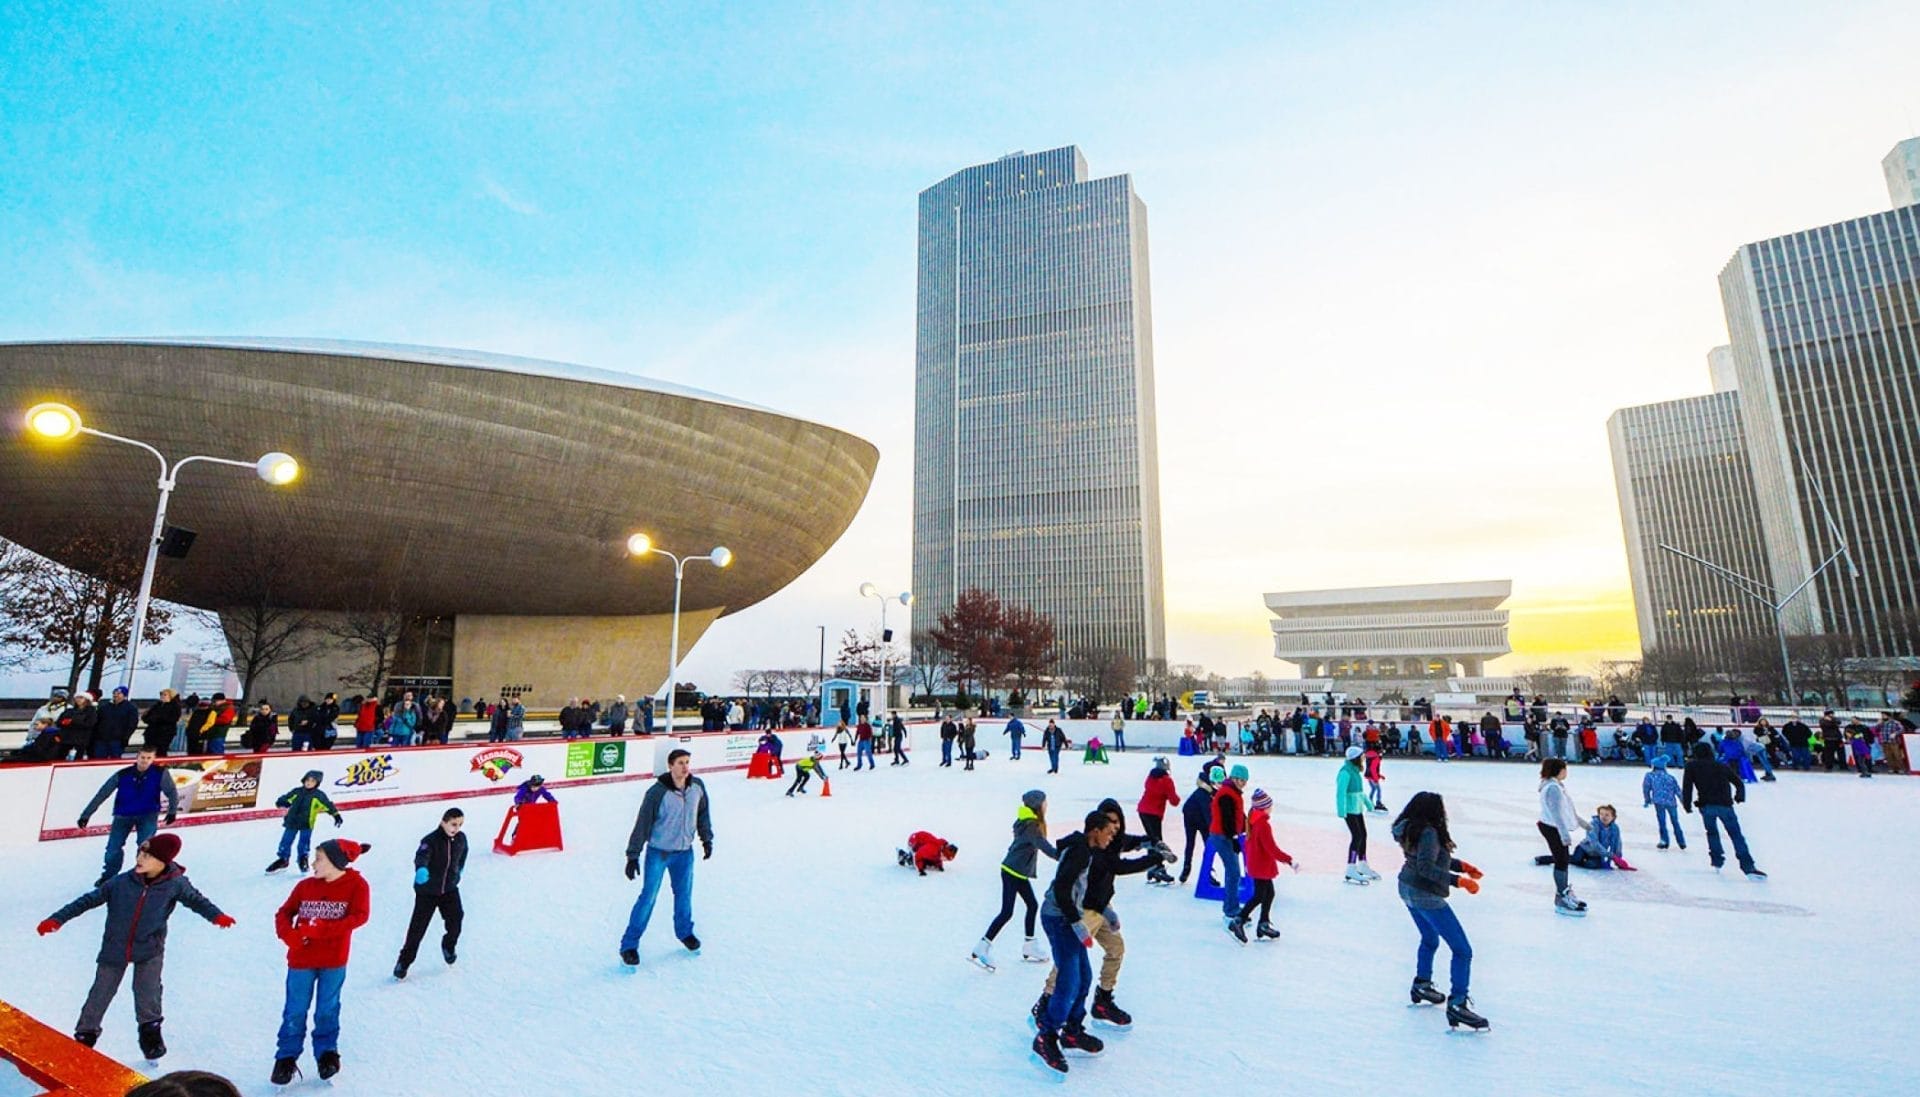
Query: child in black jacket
{"points": [[304, 805], [437, 864]]}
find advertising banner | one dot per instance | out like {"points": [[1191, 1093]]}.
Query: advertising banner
{"points": [[217, 784], [596, 759], [375, 773], [496, 762], [740, 748]]}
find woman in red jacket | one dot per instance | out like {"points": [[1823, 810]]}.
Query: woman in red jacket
{"points": [[1264, 858], [1160, 795]]}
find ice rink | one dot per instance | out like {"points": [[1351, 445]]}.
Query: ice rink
{"points": [[828, 969]]}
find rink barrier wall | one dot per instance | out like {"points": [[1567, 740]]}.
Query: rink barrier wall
{"points": [[55, 1061]]}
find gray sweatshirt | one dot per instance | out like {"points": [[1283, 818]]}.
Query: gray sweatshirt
{"points": [[671, 818]]}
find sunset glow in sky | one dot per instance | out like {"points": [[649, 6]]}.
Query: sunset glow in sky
{"points": [[1406, 258]]}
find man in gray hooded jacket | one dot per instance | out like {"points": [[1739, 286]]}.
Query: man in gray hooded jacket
{"points": [[672, 815]]}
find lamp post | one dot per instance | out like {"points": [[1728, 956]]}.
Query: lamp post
{"points": [[640, 545], [868, 590], [60, 423]]}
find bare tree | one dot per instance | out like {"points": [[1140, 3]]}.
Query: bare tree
{"points": [[1154, 678], [262, 633], [929, 668], [1027, 638], [1820, 663], [84, 617], [1102, 675], [1553, 683], [1184, 678], [862, 657], [1257, 686], [1618, 678], [1677, 674], [374, 632]]}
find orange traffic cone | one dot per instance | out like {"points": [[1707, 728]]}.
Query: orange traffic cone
{"points": [[826, 787]]}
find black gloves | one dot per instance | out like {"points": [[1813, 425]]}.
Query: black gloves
{"points": [[170, 816], [706, 849], [633, 867], [338, 822]]}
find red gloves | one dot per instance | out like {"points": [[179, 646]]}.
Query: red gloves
{"points": [[48, 926], [1467, 884], [1470, 870], [225, 921]]}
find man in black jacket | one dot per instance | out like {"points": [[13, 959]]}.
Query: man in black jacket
{"points": [[1717, 789], [1107, 864], [1062, 916], [437, 864], [118, 718]]}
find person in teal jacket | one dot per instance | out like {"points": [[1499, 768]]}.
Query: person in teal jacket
{"points": [[1350, 803], [304, 805]]}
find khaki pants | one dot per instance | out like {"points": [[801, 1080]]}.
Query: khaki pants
{"points": [[1895, 750], [1113, 949]]}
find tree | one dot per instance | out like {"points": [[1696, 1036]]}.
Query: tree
{"points": [[969, 635], [1753, 664], [375, 632], [1102, 675], [1026, 637], [863, 657], [1256, 686], [1820, 663], [1184, 678], [261, 633], [1677, 674], [1618, 678], [84, 617], [1553, 683], [1154, 678], [929, 666]]}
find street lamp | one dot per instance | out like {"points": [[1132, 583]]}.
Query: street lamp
{"points": [[868, 590], [640, 546], [59, 423]]}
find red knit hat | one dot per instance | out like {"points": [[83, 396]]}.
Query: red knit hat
{"points": [[343, 851], [163, 847]]}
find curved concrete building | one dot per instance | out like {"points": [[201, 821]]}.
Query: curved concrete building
{"points": [[488, 497]]}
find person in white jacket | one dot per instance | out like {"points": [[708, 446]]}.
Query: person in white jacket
{"points": [[1558, 822]]}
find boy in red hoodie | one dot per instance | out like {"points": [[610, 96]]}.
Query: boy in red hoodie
{"points": [[317, 923], [925, 851], [1264, 858]]}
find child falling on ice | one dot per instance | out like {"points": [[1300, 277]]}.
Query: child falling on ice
{"points": [[304, 805], [135, 935], [1601, 848], [926, 851], [316, 923]]}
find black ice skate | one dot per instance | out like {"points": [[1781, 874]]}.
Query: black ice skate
{"points": [[630, 957], [1460, 1012], [86, 1038], [279, 865], [692, 943], [1075, 1038], [329, 1063], [447, 953], [1425, 993], [1046, 1049], [283, 1071], [1039, 1009], [305, 865], [151, 1045], [1266, 932], [1238, 927], [903, 858], [1108, 1012], [1755, 874], [400, 970]]}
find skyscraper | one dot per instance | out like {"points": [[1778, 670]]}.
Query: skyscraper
{"points": [[1036, 472], [1902, 166], [1825, 326], [1681, 471]]}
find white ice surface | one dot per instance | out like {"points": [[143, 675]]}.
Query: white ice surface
{"points": [[827, 969]]}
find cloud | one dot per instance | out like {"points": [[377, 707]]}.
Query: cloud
{"points": [[495, 190]]}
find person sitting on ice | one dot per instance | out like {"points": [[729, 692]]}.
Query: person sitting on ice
{"points": [[1601, 848], [532, 790], [925, 850]]}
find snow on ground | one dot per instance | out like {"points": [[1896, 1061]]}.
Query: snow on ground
{"points": [[827, 969]]}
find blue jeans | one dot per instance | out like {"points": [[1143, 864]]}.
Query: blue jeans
{"points": [[1713, 817], [1676, 754], [286, 841], [1119, 739], [1373, 792], [678, 867], [142, 826], [863, 752], [1067, 1005], [299, 740], [1665, 813], [1228, 855], [301, 985], [1053, 759], [946, 752], [1016, 745], [1760, 756], [1436, 923]]}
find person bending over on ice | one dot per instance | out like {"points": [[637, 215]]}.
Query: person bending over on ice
{"points": [[926, 851], [135, 935], [304, 805], [532, 791], [1430, 871], [804, 769]]}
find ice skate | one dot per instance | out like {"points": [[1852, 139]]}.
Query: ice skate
{"points": [[903, 858], [1238, 927], [151, 1045], [305, 865], [691, 943], [982, 954], [1662, 845], [1755, 874], [1355, 875], [1460, 1012], [1030, 952], [279, 865], [328, 1063], [1368, 871], [1266, 932], [86, 1039], [1424, 992], [1108, 1012], [1076, 1038], [1566, 904], [400, 970], [283, 1071], [447, 953], [630, 957], [1039, 1009], [1046, 1050]]}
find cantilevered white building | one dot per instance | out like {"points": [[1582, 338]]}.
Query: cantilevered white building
{"points": [[1427, 630]]}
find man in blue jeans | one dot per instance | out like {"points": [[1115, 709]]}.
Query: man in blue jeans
{"points": [[1063, 1024], [136, 792], [672, 815], [1718, 788]]}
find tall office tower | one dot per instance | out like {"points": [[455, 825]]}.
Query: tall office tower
{"points": [[1680, 468], [1902, 166], [1036, 473], [1826, 340]]}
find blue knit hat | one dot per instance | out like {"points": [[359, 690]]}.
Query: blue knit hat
{"points": [[1239, 773]]}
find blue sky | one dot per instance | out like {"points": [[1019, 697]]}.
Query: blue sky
{"points": [[1406, 257]]}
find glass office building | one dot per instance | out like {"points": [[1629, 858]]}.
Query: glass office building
{"points": [[1035, 465]]}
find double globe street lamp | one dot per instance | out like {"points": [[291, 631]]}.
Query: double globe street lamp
{"points": [[868, 590], [59, 423], [641, 546]]}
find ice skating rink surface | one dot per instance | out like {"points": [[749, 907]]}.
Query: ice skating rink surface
{"points": [[829, 969]]}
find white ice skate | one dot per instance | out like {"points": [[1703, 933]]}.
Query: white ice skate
{"points": [[1368, 869], [1356, 874], [1568, 904], [1030, 952], [982, 954]]}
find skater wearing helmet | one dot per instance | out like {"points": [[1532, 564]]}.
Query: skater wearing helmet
{"points": [[1558, 821], [1159, 795], [1430, 871], [1350, 803], [1017, 870]]}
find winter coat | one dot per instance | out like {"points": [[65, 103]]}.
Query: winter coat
{"points": [[117, 721], [318, 919], [304, 721], [1029, 842], [1228, 819], [262, 730], [1603, 839], [444, 859], [1159, 795], [304, 805], [1372, 766], [1264, 855], [368, 718], [135, 793], [1659, 787], [1053, 738], [1199, 805], [1429, 872], [671, 818], [1105, 865], [929, 849], [137, 912], [1069, 887], [325, 713], [1708, 782], [162, 720], [528, 793], [1015, 728], [76, 726], [1349, 791], [1556, 809]]}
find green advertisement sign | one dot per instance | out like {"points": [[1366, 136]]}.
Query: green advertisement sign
{"points": [[596, 759]]}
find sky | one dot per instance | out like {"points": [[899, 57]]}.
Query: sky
{"points": [[1406, 258]]}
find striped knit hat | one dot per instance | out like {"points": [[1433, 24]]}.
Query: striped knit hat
{"points": [[1261, 801]]}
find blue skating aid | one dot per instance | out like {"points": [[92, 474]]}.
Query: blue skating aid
{"points": [[1205, 888]]}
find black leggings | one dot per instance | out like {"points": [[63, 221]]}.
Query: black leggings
{"points": [[1186, 863], [1010, 887], [1151, 824], [1558, 849], [1263, 895], [1357, 840]]}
